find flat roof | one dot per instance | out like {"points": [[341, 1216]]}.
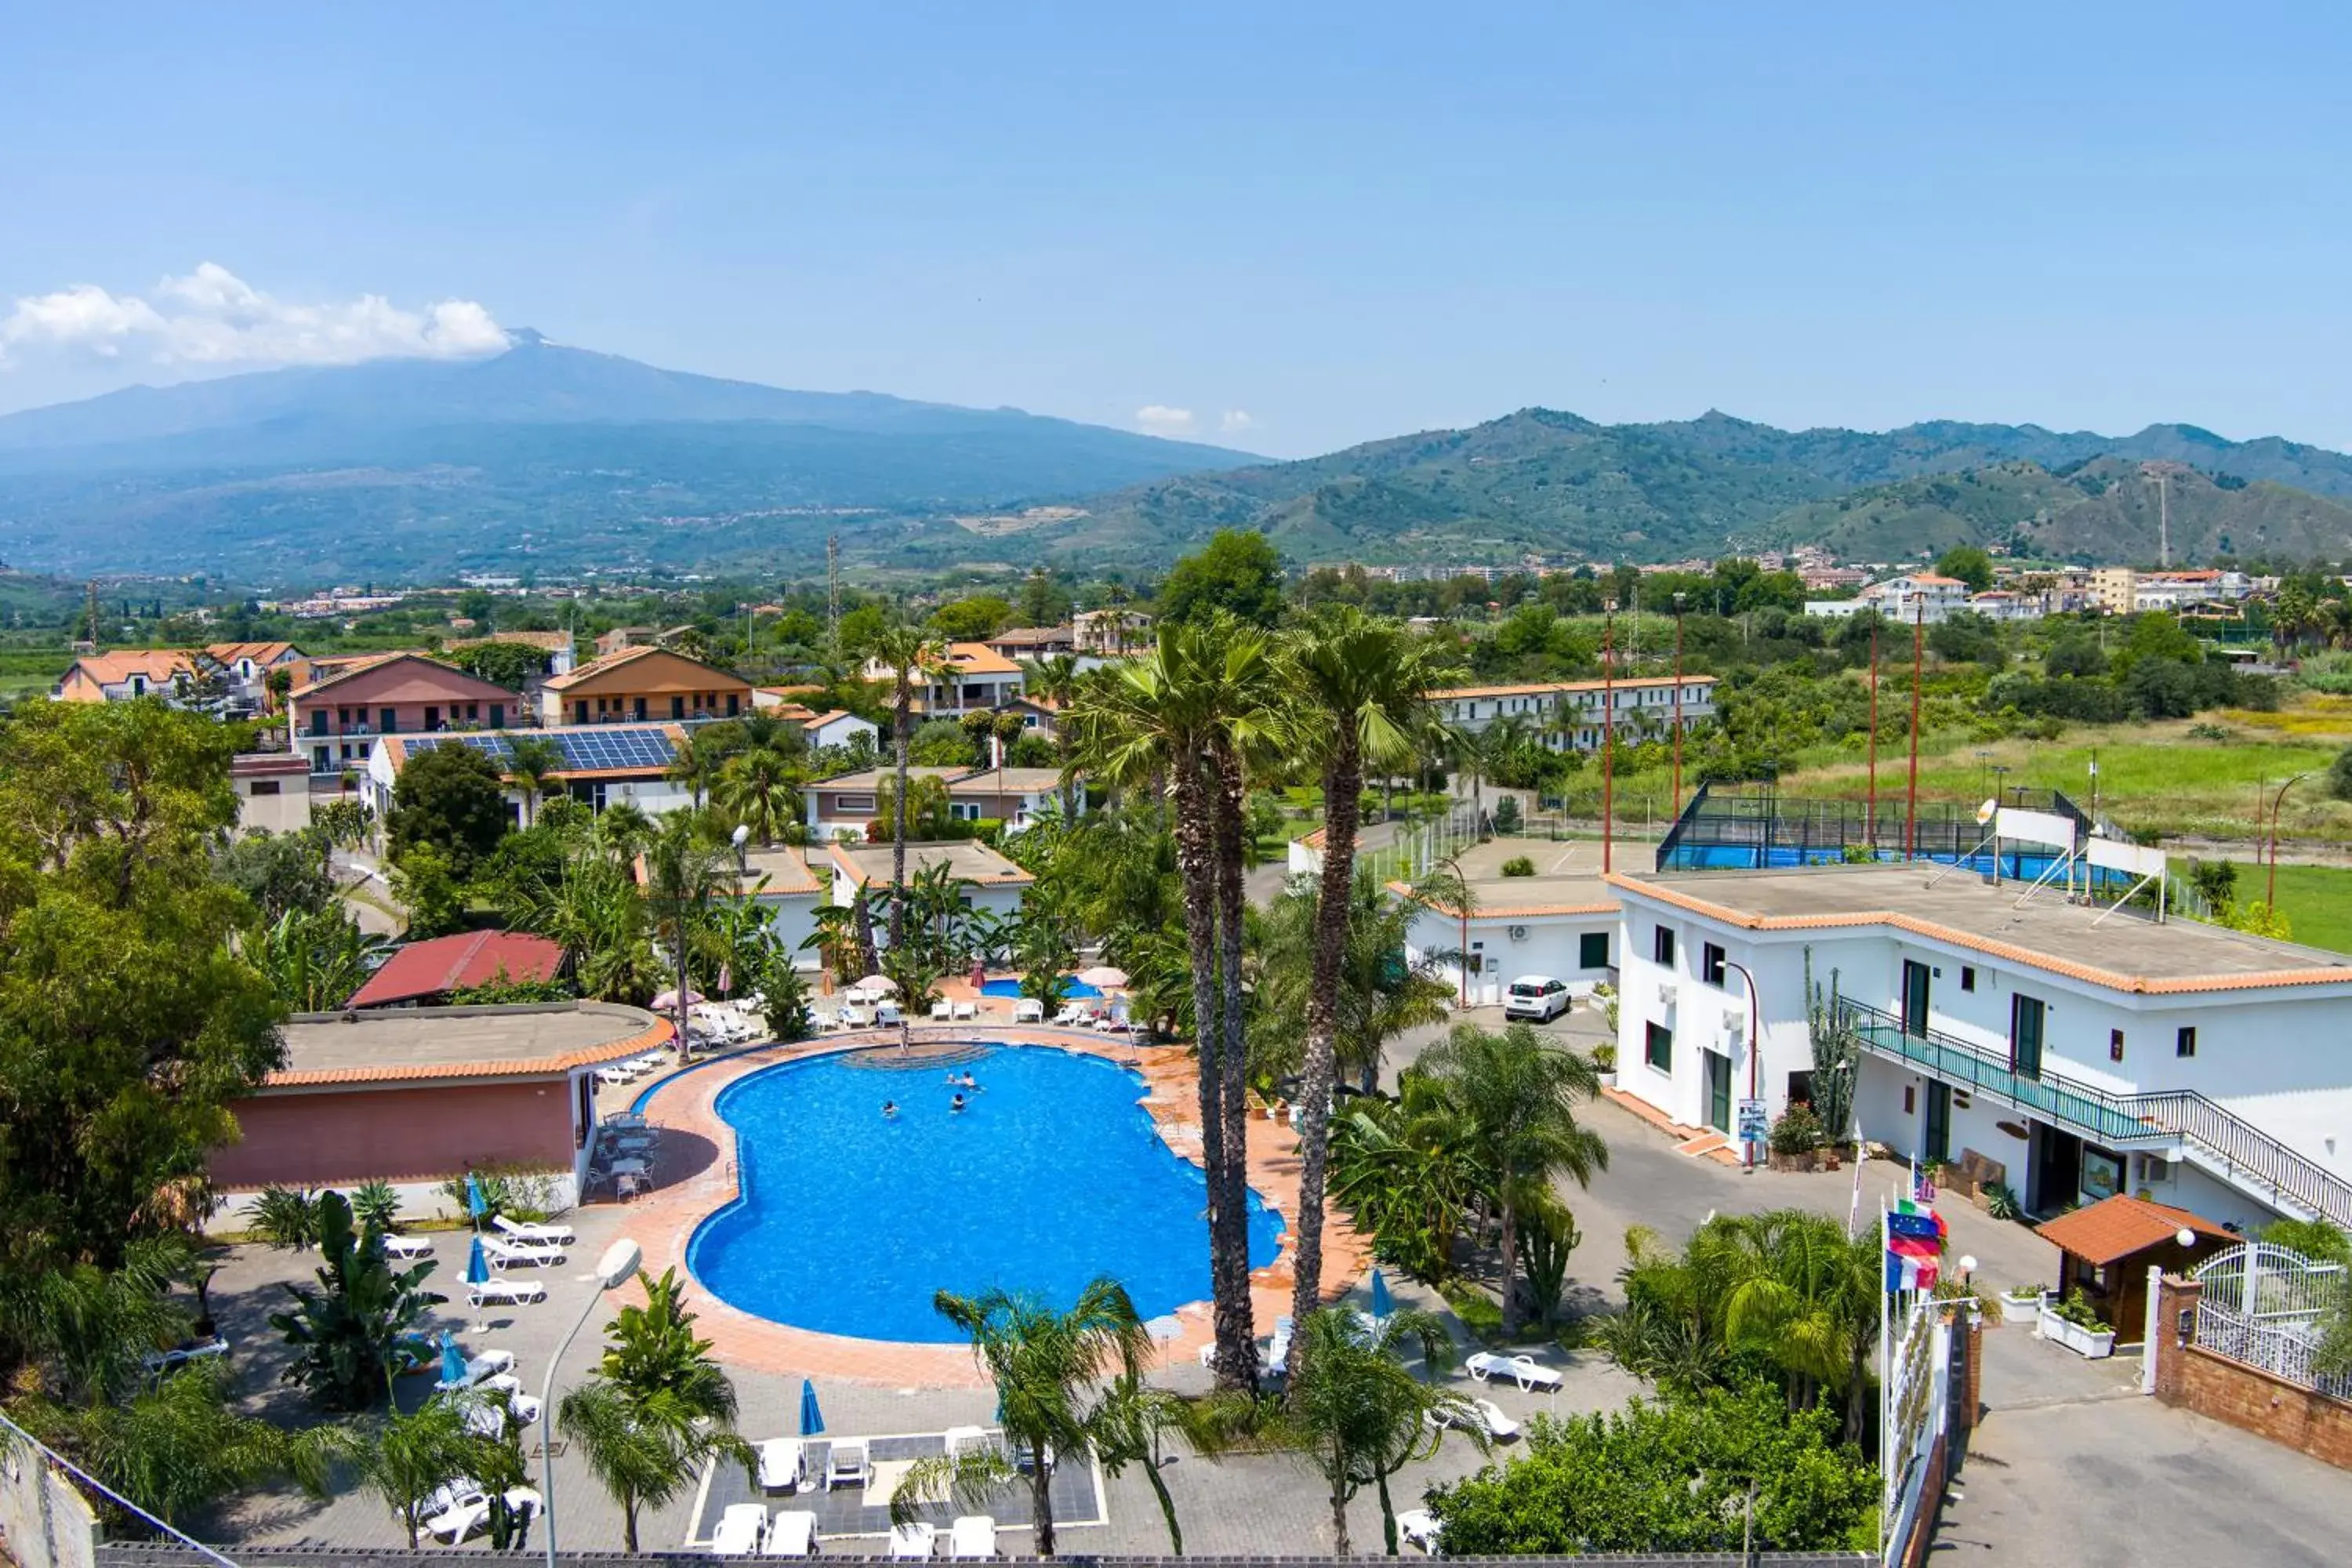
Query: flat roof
{"points": [[1567, 880], [967, 859], [869, 779], [1022, 781], [782, 865], [423, 1044], [2127, 951]]}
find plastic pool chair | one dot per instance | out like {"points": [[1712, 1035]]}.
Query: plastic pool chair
{"points": [[960, 1439], [1418, 1527], [784, 1465], [505, 1254], [794, 1533], [972, 1538], [965, 1011], [846, 1462], [942, 1010], [740, 1530], [913, 1541], [528, 1233]]}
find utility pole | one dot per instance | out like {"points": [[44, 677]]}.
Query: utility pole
{"points": [[1918, 668], [1870, 813], [2163, 520], [1608, 735], [833, 589], [1674, 810]]}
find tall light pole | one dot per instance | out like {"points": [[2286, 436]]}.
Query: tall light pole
{"points": [[1608, 732], [2271, 896], [1755, 1051], [1919, 671], [618, 1265], [1675, 809]]}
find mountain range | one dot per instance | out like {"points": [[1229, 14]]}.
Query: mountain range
{"points": [[561, 459]]}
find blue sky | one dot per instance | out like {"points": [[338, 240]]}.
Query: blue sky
{"points": [[1302, 229]]}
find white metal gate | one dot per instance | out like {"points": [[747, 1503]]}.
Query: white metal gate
{"points": [[2264, 1305]]}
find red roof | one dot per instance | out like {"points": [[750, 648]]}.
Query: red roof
{"points": [[449, 963]]}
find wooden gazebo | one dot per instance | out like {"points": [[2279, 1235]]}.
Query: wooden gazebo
{"points": [[2108, 1247]]}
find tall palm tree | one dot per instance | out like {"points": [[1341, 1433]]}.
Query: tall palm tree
{"points": [[758, 786], [682, 869], [533, 763], [1186, 719], [1362, 685], [1044, 1364], [911, 657], [1801, 1289], [695, 763], [1519, 1092]]}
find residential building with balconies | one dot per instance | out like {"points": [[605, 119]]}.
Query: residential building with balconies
{"points": [[643, 685], [1570, 715], [336, 720]]}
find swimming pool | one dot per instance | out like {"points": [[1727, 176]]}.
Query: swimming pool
{"points": [[848, 1223], [1073, 988]]}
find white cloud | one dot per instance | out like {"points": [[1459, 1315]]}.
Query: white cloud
{"points": [[1161, 420], [1235, 421], [213, 316]]}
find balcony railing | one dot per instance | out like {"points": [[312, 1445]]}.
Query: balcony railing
{"points": [[2207, 1131]]}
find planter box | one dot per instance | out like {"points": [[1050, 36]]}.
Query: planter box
{"points": [[2095, 1344], [1810, 1160], [2021, 1308], [1609, 1078]]}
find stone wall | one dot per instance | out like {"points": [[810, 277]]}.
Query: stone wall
{"points": [[2194, 1378], [44, 1521]]}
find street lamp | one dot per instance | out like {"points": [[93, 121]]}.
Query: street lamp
{"points": [[618, 1265], [2271, 896], [1755, 1051]]}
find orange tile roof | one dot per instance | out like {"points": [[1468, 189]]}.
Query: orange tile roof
{"points": [[115, 668], [259, 652], [1534, 687], [979, 658], [2116, 1227], [653, 1039], [2140, 984], [1510, 912], [598, 667]]}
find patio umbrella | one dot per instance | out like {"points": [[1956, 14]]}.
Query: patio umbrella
{"points": [[453, 1360], [475, 1205], [811, 1418], [1164, 1329], [1103, 977], [1382, 1305], [979, 975], [668, 1001], [881, 982], [478, 1272]]}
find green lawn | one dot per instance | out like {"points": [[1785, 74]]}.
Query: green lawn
{"points": [[2316, 900]]}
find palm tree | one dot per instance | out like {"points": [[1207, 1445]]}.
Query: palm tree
{"points": [[1518, 1091], [1804, 1292], [757, 786], [682, 869], [695, 763], [910, 655], [625, 828], [413, 1456], [659, 1409], [1188, 719], [532, 763], [1362, 684], [1043, 1363], [1358, 1416]]}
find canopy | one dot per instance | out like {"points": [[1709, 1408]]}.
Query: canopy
{"points": [[477, 1268], [453, 1360], [811, 1418], [475, 1205], [1103, 976], [1382, 1305], [881, 982], [668, 1001]]}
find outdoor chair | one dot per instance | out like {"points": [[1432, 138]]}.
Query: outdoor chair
{"points": [[846, 1462]]}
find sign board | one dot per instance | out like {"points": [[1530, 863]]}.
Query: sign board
{"points": [[2034, 826], [2132, 859], [1754, 1126]]}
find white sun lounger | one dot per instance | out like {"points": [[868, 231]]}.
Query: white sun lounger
{"points": [[784, 1465], [794, 1533], [847, 1463], [1482, 1415], [889, 1013], [524, 1407], [972, 1538], [181, 1356], [469, 1510], [410, 1247], [942, 1010], [1419, 1526], [913, 1541], [532, 1233], [740, 1530], [505, 1293], [1028, 1010], [966, 1010], [479, 1369], [504, 1255], [1524, 1370]]}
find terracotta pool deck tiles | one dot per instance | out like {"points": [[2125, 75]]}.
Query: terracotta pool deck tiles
{"points": [[663, 1222]]}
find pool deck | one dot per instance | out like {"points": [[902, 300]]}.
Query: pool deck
{"points": [[686, 1107]]}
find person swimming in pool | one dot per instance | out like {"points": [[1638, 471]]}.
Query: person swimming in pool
{"points": [[889, 1107], [957, 1103], [968, 1081]]}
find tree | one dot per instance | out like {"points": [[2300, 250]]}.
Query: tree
{"points": [[910, 658], [1042, 1364], [941, 744], [1044, 602], [314, 961], [449, 799], [1358, 1416], [280, 871], [127, 1024], [759, 788], [694, 763], [1237, 573], [682, 869], [425, 883], [659, 1409], [1518, 1091], [974, 619], [2339, 775], [1675, 1476], [1969, 563], [356, 1329], [413, 1456], [1362, 685], [925, 811], [533, 763], [513, 664]]}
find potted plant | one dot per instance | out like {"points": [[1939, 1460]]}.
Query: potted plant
{"points": [[2076, 1324], [1797, 1138], [1605, 1061], [2021, 1304]]}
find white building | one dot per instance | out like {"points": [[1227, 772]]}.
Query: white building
{"points": [[2083, 1051], [989, 881], [1561, 922], [603, 765], [1920, 595], [1568, 715], [974, 679], [780, 880]]}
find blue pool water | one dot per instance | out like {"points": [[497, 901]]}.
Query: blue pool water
{"points": [[849, 1222], [1073, 988]]}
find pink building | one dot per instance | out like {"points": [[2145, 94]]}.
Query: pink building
{"points": [[337, 718]]}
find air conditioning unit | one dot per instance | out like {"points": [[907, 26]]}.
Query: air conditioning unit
{"points": [[1667, 993], [1517, 933], [1734, 1021]]}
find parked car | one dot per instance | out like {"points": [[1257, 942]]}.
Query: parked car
{"points": [[1537, 996]]}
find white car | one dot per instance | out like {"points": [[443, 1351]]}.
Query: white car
{"points": [[1537, 996]]}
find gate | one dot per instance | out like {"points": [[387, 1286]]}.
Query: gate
{"points": [[2264, 1305]]}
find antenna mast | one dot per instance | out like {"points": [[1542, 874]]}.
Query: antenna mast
{"points": [[832, 587]]}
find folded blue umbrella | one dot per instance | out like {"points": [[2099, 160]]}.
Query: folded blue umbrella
{"points": [[453, 1360], [477, 1268], [1381, 1302], [811, 1418], [474, 1203]]}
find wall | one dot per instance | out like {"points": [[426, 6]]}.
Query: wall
{"points": [[794, 920], [44, 1522], [2194, 1378], [288, 811], [338, 1136], [1550, 946]]}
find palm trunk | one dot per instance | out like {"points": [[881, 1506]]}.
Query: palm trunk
{"points": [[1166, 1507], [1196, 861], [1041, 1499], [629, 1525], [1388, 1515], [1339, 1517], [1342, 785], [898, 824], [1231, 1249], [1510, 1260], [677, 937]]}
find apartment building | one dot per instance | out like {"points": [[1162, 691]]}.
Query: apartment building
{"points": [[644, 684], [337, 719], [1569, 715]]}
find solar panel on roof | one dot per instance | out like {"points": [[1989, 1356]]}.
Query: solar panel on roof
{"points": [[585, 751]]}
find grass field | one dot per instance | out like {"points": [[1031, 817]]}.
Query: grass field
{"points": [[2316, 900]]}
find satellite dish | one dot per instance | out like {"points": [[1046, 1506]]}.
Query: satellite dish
{"points": [[1987, 812]]}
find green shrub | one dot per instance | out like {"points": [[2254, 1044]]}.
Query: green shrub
{"points": [[1506, 818], [2076, 1308], [1604, 1057], [287, 1218], [2000, 1201], [1481, 1314], [1798, 1130], [1519, 866], [375, 1203], [508, 1190]]}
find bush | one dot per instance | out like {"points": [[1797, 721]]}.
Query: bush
{"points": [[285, 1218], [1604, 1057], [1519, 866], [1798, 1130], [1507, 817], [375, 1203], [2339, 775], [507, 1189], [2076, 1308], [2000, 1201]]}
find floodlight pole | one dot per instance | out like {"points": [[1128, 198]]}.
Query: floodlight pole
{"points": [[1918, 670], [1870, 812], [1675, 810], [2270, 897], [1608, 734], [618, 1264]]}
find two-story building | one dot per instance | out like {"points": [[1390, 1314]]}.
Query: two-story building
{"points": [[1110, 633], [337, 719], [247, 666], [124, 674], [603, 764], [643, 685], [1922, 596], [1560, 923], [974, 678], [845, 807], [2079, 1051], [841, 807], [1570, 715]]}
